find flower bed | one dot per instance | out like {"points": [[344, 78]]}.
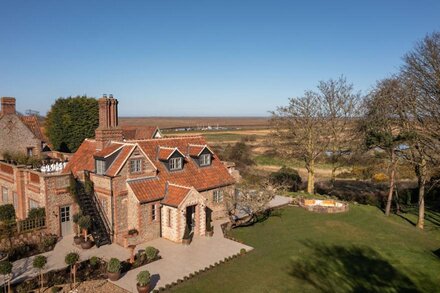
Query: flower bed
{"points": [[329, 206]]}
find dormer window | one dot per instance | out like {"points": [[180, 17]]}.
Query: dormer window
{"points": [[136, 166], [205, 160], [100, 167], [175, 163]]}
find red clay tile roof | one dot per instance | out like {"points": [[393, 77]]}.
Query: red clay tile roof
{"points": [[175, 195], [194, 150], [120, 160], [139, 132], [83, 158], [165, 153], [34, 126], [108, 150], [205, 178]]}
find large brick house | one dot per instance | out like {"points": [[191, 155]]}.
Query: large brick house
{"points": [[157, 186], [19, 133]]}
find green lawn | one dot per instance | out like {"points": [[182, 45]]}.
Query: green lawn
{"points": [[300, 251]]}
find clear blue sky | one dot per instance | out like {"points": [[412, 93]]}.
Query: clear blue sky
{"points": [[202, 58]]}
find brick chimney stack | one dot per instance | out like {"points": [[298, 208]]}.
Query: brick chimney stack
{"points": [[8, 105], [108, 129]]}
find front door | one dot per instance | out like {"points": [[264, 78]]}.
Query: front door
{"points": [[190, 218], [66, 222]]}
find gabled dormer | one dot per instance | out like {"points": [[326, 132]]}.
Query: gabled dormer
{"points": [[173, 158], [201, 154], [105, 158]]}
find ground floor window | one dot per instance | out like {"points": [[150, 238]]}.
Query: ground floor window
{"points": [[153, 213], [5, 198], [217, 196], [169, 218]]}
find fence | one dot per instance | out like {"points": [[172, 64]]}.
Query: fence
{"points": [[22, 226]]}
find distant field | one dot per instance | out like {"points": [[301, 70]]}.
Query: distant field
{"points": [[175, 122]]}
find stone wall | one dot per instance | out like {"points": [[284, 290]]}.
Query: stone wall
{"points": [[170, 229], [31, 237]]}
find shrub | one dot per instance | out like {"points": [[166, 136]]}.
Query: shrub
{"points": [[94, 260], [71, 258], [379, 177], [287, 178], [49, 241], [55, 289], [76, 217], [5, 267], [133, 231], [39, 262], [7, 212], [114, 265], [151, 252], [37, 213], [85, 222], [242, 251], [143, 278]]}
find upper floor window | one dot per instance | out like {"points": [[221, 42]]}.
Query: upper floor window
{"points": [[5, 197], [205, 160], [136, 166], [100, 167], [217, 196], [30, 152], [175, 163], [33, 204]]}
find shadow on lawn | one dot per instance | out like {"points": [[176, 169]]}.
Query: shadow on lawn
{"points": [[353, 269]]}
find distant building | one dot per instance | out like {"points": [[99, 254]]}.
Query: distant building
{"points": [[19, 133]]}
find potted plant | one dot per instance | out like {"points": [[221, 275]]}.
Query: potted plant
{"points": [[39, 263], [71, 260], [78, 239], [114, 269], [143, 282], [6, 270], [133, 232], [187, 236], [151, 253], [85, 223]]}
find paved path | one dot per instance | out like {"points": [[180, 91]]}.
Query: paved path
{"points": [[179, 260], [22, 268]]}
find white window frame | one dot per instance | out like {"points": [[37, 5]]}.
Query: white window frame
{"points": [[175, 164], [100, 167], [205, 160], [153, 213], [33, 204], [217, 196], [135, 166]]}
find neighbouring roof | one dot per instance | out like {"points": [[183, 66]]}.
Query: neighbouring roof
{"points": [[139, 132], [108, 150], [175, 194], [34, 126]]}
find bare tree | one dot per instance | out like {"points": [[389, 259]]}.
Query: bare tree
{"points": [[248, 203], [300, 131], [342, 106], [381, 128]]}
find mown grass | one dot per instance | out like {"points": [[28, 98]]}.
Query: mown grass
{"points": [[357, 251]]}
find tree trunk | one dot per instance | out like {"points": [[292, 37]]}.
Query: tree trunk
{"points": [[333, 179], [422, 182], [311, 177], [391, 190]]}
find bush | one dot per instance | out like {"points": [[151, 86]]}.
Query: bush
{"points": [[94, 260], [37, 213], [39, 262], [55, 289], [85, 222], [143, 278], [114, 265], [71, 258], [287, 178], [7, 212], [49, 241], [242, 251], [5, 267], [379, 177], [151, 253]]}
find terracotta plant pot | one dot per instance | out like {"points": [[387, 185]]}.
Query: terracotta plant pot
{"points": [[86, 244], [143, 289], [78, 240], [209, 233], [114, 276]]}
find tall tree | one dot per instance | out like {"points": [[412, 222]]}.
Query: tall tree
{"points": [[421, 114], [381, 128], [70, 121], [342, 106], [300, 131]]}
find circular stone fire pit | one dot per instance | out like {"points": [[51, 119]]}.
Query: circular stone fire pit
{"points": [[329, 206]]}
